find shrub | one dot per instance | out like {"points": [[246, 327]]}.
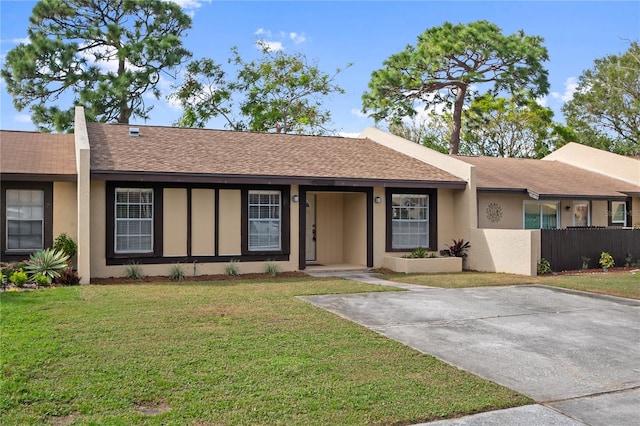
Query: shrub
{"points": [[66, 245], [133, 271], [18, 278], [68, 277], [271, 268], [177, 272], [606, 260], [41, 280], [420, 253], [459, 248], [585, 262], [544, 267], [232, 269], [49, 262]]}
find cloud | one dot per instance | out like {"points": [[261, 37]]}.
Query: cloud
{"points": [[297, 38], [542, 101], [349, 134], [570, 86], [263, 32], [272, 46], [359, 113], [22, 118], [24, 40], [189, 4]]}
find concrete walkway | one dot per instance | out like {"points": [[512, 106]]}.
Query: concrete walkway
{"points": [[576, 355]]}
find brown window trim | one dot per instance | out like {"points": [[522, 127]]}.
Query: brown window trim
{"points": [[433, 217], [627, 218], [285, 221], [47, 187], [112, 256]]}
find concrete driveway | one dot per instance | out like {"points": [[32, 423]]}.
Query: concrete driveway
{"points": [[573, 353]]}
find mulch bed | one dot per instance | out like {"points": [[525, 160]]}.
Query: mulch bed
{"points": [[220, 277], [618, 270]]}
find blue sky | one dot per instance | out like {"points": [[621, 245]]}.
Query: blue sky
{"points": [[365, 33]]}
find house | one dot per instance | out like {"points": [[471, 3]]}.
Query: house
{"points": [[158, 196]]}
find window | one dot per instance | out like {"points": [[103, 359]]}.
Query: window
{"points": [[133, 220], [409, 221], [541, 215], [265, 212], [581, 215], [618, 213], [25, 219]]}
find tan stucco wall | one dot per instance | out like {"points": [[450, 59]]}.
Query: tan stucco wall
{"points": [[635, 212], [99, 268], [174, 222], [230, 242], [329, 227], [597, 160], [379, 227], [202, 222], [355, 228], [599, 213], [446, 224], [504, 250], [65, 204]]}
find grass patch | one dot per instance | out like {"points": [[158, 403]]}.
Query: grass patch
{"points": [[613, 284], [217, 353]]}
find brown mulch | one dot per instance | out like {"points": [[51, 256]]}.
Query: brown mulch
{"points": [[616, 270], [220, 277]]}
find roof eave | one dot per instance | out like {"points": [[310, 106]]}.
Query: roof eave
{"points": [[38, 177], [108, 175]]}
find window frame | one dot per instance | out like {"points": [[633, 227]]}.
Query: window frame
{"points": [[432, 224], [285, 224], [47, 226], [573, 211], [612, 213], [540, 203], [114, 257], [129, 220]]}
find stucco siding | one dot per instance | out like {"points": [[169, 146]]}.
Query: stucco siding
{"points": [[230, 242], [202, 222], [65, 218], [99, 232], [500, 211], [504, 250], [175, 222], [599, 213], [329, 227], [446, 224], [635, 212], [379, 227], [355, 229]]}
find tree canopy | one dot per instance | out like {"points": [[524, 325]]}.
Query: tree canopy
{"points": [[448, 63], [605, 109], [279, 92], [104, 55]]}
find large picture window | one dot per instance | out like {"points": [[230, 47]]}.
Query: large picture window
{"points": [[25, 219], [409, 221], [541, 215], [133, 220], [265, 224]]}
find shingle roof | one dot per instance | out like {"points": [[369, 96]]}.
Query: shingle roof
{"points": [[545, 179], [203, 152], [34, 153]]}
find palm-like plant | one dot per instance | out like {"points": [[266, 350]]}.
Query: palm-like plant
{"points": [[48, 262]]}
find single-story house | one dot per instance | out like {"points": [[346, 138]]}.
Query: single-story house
{"points": [[163, 195]]}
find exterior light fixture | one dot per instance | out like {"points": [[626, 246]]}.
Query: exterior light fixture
{"points": [[296, 198], [378, 200]]}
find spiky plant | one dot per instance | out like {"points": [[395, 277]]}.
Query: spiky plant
{"points": [[48, 262]]}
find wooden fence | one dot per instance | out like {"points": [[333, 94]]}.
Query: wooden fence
{"points": [[565, 248]]}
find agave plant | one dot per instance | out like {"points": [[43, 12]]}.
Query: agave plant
{"points": [[48, 262]]}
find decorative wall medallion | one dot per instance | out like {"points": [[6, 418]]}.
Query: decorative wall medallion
{"points": [[494, 212]]}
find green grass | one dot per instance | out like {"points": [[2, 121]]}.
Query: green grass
{"points": [[240, 352], [613, 284]]}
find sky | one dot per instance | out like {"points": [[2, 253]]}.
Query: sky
{"points": [[365, 34]]}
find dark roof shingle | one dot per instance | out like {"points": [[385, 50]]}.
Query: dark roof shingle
{"points": [[546, 179], [34, 153], [222, 152]]}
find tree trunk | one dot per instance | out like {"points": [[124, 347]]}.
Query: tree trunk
{"points": [[454, 144], [124, 109]]}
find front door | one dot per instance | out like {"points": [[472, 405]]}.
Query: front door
{"points": [[311, 228]]}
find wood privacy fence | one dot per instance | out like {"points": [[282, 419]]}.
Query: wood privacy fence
{"points": [[564, 248]]}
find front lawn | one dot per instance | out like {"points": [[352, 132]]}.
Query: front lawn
{"points": [[236, 352], [622, 284]]}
